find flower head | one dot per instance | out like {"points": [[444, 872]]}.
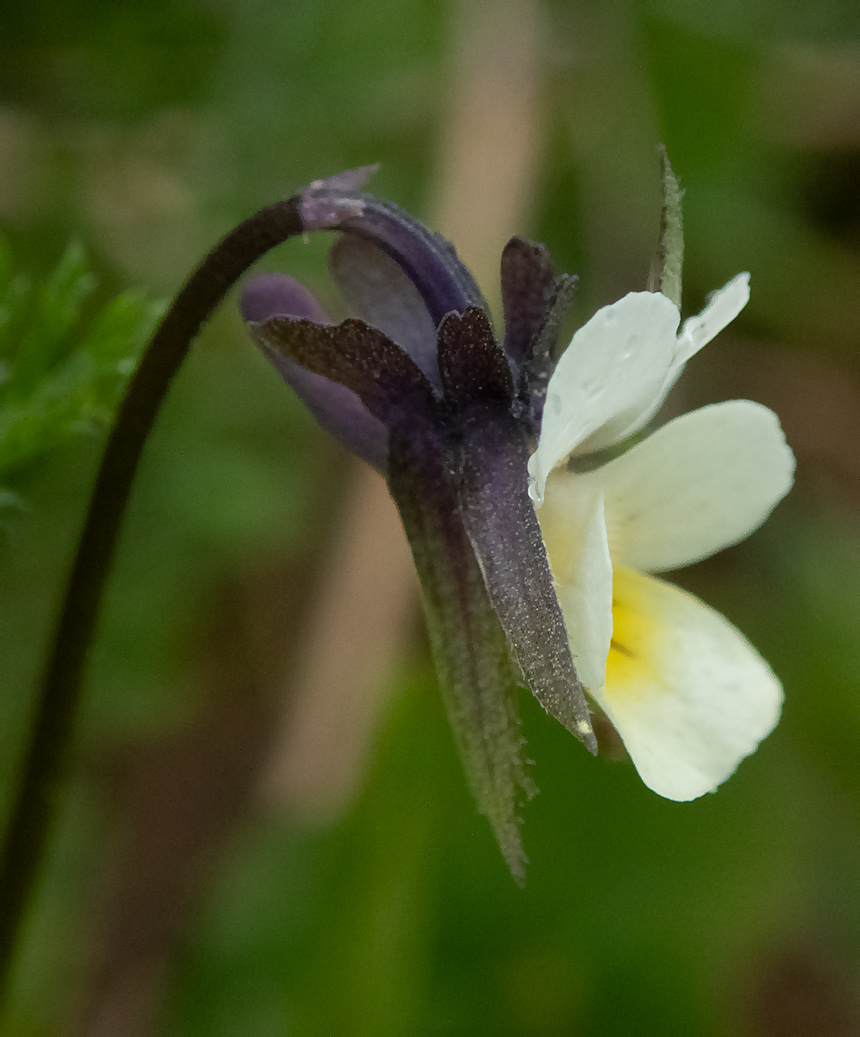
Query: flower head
{"points": [[688, 694], [471, 433]]}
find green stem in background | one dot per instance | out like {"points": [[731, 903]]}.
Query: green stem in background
{"points": [[40, 778]]}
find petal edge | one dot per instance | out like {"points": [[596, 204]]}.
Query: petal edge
{"points": [[686, 691], [700, 483]]}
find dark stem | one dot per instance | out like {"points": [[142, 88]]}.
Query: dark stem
{"points": [[41, 774]]}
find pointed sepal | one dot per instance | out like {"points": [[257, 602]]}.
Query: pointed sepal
{"points": [[527, 283], [337, 408], [386, 380], [502, 526], [536, 372], [667, 267], [472, 367], [470, 652], [488, 459]]}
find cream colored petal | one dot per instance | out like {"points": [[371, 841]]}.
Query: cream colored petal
{"points": [[574, 533], [698, 484], [612, 369], [722, 308], [686, 691]]}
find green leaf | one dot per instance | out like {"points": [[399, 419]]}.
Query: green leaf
{"points": [[59, 376], [56, 310], [15, 292]]}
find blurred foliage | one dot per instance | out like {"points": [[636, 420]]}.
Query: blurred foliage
{"points": [[57, 380], [145, 131]]}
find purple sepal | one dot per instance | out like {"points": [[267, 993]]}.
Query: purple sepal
{"points": [[337, 408], [527, 282], [534, 375], [472, 366], [386, 380], [501, 524], [534, 302], [476, 674], [489, 458]]}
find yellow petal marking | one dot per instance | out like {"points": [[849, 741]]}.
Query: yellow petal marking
{"points": [[632, 668]]}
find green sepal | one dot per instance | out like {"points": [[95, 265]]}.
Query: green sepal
{"points": [[667, 266]]}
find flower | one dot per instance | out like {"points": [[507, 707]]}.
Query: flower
{"points": [[688, 694], [467, 430], [418, 385]]}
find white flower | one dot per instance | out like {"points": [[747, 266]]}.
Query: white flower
{"points": [[688, 694]]}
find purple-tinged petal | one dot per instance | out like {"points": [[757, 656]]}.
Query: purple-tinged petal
{"points": [[430, 262], [476, 673], [500, 521], [336, 408], [279, 295], [377, 289]]}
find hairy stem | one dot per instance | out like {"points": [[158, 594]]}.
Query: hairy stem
{"points": [[55, 709]]}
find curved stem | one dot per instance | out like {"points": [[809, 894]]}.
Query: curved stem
{"points": [[56, 707]]}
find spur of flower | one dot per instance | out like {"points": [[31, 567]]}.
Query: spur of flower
{"points": [[472, 431]]}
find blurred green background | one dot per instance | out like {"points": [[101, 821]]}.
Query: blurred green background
{"points": [[266, 829]]}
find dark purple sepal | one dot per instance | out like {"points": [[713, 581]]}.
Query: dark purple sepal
{"points": [[378, 290], [387, 381], [535, 373], [338, 409], [488, 457], [471, 655], [534, 302], [502, 527], [472, 366], [527, 283]]}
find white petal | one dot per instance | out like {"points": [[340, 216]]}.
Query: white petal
{"points": [[612, 370], [722, 308], [686, 691], [698, 484], [574, 533]]}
